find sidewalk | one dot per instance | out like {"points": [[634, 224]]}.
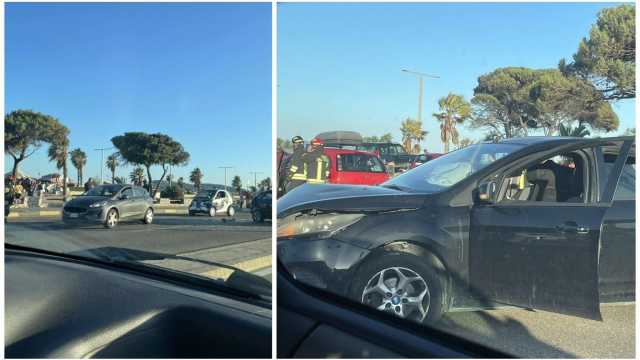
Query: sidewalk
{"points": [[253, 256]]}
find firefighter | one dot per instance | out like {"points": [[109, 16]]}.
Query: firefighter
{"points": [[297, 171], [318, 164]]}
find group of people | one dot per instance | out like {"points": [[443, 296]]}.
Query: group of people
{"points": [[19, 190], [307, 165]]}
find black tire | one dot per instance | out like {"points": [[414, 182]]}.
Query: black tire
{"points": [[146, 219], [434, 282], [231, 211], [109, 224], [191, 213], [257, 216], [212, 212]]}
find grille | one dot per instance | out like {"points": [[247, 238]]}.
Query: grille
{"points": [[73, 209]]}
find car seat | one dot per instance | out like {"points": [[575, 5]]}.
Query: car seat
{"points": [[544, 184]]}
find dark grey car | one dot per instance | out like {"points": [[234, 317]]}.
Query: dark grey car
{"points": [[108, 205]]}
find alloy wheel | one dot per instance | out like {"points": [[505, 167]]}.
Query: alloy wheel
{"points": [[400, 291], [112, 218], [148, 216]]}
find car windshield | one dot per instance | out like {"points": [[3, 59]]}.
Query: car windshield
{"points": [[134, 112], [448, 170], [103, 190]]}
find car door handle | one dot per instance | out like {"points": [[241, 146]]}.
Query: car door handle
{"points": [[572, 227]]}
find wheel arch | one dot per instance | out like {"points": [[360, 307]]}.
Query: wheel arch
{"points": [[422, 250]]}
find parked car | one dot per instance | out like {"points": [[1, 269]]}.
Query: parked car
{"points": [[390, 153], [355, 167], [108, 205], [539, 222], [212, 203], [261, 206], [347, 167], [423, 158]]}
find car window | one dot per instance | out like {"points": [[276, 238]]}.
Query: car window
{"points": [[105, 190], [626, 189], [220, 195], [560, 178], [128, 192], [359, 162]]}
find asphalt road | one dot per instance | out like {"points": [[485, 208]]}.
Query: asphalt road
{"points": [[167, 234], [540, 334], [173, 235]]}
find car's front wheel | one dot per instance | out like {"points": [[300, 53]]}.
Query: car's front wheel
{"points": [[257, 216], [148, 216], [402, 284], [112, 219], [231, 210], [212, 211]]}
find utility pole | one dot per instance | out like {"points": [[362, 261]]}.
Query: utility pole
{"points": [[421, 77], [255, 180], [102, 161], [225, 174]]}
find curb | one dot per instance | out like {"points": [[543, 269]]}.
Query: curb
{"points": [[58, 213], [247, 265]]}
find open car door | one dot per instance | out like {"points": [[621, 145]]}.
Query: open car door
{"points": [[539, 254]]}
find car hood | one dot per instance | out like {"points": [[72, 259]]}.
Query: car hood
{"points": [[84, 201], [347, 198]]}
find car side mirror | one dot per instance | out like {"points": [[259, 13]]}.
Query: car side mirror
{"points": [[487, 192]]}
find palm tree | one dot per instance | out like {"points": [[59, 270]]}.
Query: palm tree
{"points": [[454, 109], [412, 130], [58, 153], [196, 178], [79, 160], [464, 142], [112, 163], [137, 176], [579, 131]]}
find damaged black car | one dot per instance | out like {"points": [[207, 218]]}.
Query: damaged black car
{"points": [[538, 222]]}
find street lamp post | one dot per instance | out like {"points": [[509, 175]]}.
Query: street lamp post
{"points": [[421, 77], [225, 174], [255, 180], [102, 161]]}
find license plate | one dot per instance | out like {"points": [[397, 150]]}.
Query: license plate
{"points": [[73, 215]]}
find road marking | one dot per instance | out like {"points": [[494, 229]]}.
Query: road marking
{"points": [[247, 265]]}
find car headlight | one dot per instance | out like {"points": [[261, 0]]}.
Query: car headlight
{"points": [[98, 204], [326, 224]]}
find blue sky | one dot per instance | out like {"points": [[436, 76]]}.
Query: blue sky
{"points": [[200, 73], [339, 65]]}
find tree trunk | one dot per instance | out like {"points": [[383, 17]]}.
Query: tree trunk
{"points": [[14, 172], [64, 179], [81, 177], [149, 180], [113, 176], [446, 135], [164, 172]]}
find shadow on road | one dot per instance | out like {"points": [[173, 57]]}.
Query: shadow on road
{"points": [[498, 331]]}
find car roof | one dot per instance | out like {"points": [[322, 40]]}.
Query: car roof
{"points": [[531, 140], [336, 151]]}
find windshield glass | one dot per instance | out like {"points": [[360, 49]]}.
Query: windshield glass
{"points": [[104, 190], [133, 110], [447, 170]]}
